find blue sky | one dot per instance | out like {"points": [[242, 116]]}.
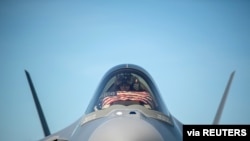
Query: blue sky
{"points": [[190, 48]]}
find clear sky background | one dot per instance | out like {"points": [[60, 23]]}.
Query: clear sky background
{"points": [[190, 48]]}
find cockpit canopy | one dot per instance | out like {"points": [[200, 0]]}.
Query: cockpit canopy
{"points": [[127, 85], [126, 88]]}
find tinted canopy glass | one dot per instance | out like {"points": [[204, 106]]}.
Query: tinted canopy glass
{"points": [[127, 86]]}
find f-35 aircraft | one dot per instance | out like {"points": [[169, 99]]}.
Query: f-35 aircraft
{"points": [[126, 106]]}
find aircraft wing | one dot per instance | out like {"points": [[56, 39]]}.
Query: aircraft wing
{"points": [[64, 134]]}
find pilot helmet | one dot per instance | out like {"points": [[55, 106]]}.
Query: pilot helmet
{"points": [[124, 78]]}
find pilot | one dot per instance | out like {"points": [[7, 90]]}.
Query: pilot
{"points": [[127, 82], [124, 82]]}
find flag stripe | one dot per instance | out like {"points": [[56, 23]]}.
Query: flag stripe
{"points": [[124, 95]]}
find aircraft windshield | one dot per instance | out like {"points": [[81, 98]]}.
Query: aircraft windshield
{"points": [[127, 86]]}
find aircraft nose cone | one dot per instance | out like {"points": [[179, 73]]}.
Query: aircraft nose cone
{"points": [[125, 129]]}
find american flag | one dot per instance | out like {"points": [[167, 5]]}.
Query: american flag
{"points": [[143, 97]]}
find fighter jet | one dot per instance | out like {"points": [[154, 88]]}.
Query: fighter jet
{"points": [[126, 106]]}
